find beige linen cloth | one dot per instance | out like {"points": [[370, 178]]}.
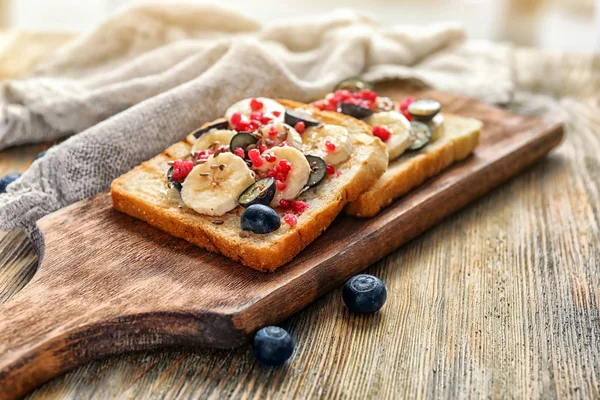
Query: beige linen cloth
{"points": [[150, 74]]}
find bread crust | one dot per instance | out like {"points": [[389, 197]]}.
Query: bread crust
{"points": [[460, 138], [261, 252]]}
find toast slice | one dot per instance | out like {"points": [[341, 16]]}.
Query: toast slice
{"points": [[143, 193], [460, 137]]}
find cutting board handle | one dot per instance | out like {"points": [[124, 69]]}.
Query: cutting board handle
{"points": [[61, 320], [42, 335], [37, 339]]}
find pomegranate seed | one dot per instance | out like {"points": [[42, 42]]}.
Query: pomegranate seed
{"points": [[382, 133], [329, 146], [242, 126], [258, 163], [319, 104], [284, 166], [203, 155], [236, 118], [239, 152], [407, 102], [273, 132], [276, 113], [300, 127], [298, 207], [265, 119], [254, 154], [270, 157], [256, 116], [281, 186], [283, 203], [256, 105], [330, 169], [262, 148], [181, 169], [290, 219]]}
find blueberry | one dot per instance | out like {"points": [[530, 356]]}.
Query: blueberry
{"points": [[364, 294], [273, 346], [261, 219], [6, 180]]}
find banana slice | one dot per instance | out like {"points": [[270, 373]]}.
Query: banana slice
{"points": [[399, 127], [221, 137], [285, 133], [296, 178], [269, 106], [330, 142], [437, 127], [213, 188]]}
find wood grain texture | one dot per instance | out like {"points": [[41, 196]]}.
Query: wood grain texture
{"points": [[500, 300], [109, 283]]}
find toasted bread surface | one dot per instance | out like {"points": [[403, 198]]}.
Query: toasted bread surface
{"points": [[143, 193], [459, 139]]}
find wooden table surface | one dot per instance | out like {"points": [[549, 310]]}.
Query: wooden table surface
{"points": [[500, 300]]}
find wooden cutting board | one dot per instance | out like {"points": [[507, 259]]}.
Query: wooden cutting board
{"points": [[110, 284]]}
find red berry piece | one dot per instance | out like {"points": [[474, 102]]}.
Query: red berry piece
{"points": [[298, 207], [181, 169], [254, 156], [239, 152], [285, 166], [265, 119], [382, 133], [290, 219], [319, 104], [330, 169], [283, 203], [256, 105], [281, 186], [270, 157], [300, 127], [236, 118]]}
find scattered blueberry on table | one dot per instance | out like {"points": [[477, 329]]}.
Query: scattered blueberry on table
{"points": [[6, 180], [273, 346], [364, 294]]}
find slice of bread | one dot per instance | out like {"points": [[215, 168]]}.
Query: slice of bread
{"points": [[458, 140], [143, 193]]}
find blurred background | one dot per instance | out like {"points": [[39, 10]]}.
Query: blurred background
{"points": [[551, 24]]}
